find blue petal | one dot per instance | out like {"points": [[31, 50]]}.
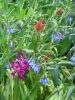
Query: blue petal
{"points": [[7, 65], [43, 80]]}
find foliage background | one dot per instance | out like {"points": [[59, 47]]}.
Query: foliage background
{"points": [[21, 16]]}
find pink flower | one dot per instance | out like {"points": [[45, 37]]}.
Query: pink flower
{"points": [[21, 72], [21, 77], [13, 74], [20, 65]]}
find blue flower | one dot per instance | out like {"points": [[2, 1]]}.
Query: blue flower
{"points": [[52, 36], [7, 65], [69, 18], [9, 30], [43, 80], [63, 36], [33, 65], [58, 93], [57, 37], [73, 58]]}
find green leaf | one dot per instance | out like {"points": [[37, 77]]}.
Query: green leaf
{"points": [[70, 91], [4, 57], [69, 2], [45, 6], [72, 49], [20, 3], [67, 63], [34, 91], [72, 76], [2, 71], [65, 44], [2, 96], [20, 44], [24, 92], [11, 10], [73, 37], [54, 74], [16, 89], [53, 95]]}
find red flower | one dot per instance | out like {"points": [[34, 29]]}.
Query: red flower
{"points": [[59, 10], [39, 25], [45, 57]]}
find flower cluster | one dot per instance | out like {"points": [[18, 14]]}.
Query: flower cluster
{"points": [[34, 65], [73, 58], [43, 80], [19, 66], [57, 36]]}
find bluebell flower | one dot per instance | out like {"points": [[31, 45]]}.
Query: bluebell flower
{"points": [[73, 58], [36, 68], [69, 18], [58, 93], [43, 80], [9, 30], [34, 65], [57, 37], [7, 65], [52, 36]]}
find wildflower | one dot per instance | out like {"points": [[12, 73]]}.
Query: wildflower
{"points": [[34, 65], [73, 58], [13, 74], [7, 65], [9, 30], [39, 25], [58, 93], [57, 37], [52, 36], [21, 77], [45, 57], [43, 80], [20, 65], [59, 10], [69, 18]]}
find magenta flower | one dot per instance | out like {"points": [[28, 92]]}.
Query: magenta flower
{"points": [[21, 77], [20, 65], [13, 74]]}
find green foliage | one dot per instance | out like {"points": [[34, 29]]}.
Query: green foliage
{"points": [[52, 55]]}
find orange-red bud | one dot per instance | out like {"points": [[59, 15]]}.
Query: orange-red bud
{"points": [[39, 25], [45, 57], [59, 10]]}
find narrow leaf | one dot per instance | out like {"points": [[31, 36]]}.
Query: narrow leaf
{"points": [[70, 91]]}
